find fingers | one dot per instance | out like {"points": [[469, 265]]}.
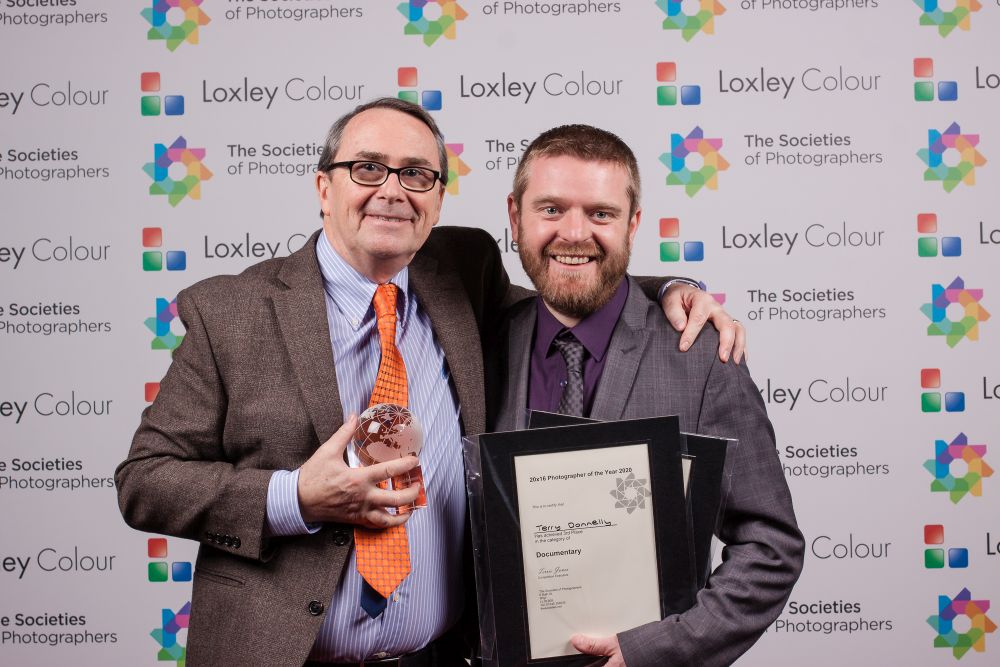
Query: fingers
{"points": [[740, 346], [594, 645], [337, 443], [381, 471], [381, 498], [702, 308], [673, 305]]}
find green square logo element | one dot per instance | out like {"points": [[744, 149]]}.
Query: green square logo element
{"points": [[666, 96], [923, 91], [410, 96], [670, 251], [934, 559], [927, 246], [150, 105], [158, 572], [930, 402], [152, 260]]}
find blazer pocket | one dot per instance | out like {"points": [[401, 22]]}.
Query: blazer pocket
{"points": [[218, 577]]}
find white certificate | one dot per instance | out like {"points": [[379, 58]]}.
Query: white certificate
{"points": [[588, 544]]}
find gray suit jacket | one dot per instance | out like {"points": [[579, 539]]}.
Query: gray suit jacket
{"points": [[645, 375], [253, 389]]}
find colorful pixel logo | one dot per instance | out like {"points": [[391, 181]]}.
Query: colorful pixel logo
{"points": [[950, 609], [406, 77], [966, 301], [159, 170], [934, 557], [968, 157], [684, 148], [670, 251], [959, 449], [150, 391], [456, 167], [720, 297], [930, 401], [690, 24], [159, 571], [923, 91], [448, 14], [152, 260], [164, 338], [946, 21], [175, 34], [166, 635], [927, 246], [152, 105], [666, 95]]}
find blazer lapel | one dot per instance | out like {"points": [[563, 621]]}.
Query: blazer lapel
{"points": [[522, 330], [301, 315], [624, 355]]}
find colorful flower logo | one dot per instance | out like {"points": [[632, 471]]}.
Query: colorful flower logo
{"points": [[175, 35], [418, 24], [958, 449], [160, 325], [946, 21], [166, 635], [969, 157], [937, 312], [712, 161], [980, 624], [158, 170], [691, 24], [456, 167]]}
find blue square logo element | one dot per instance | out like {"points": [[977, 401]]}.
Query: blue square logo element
{"points": [[958, 558], [431, 100], [173, 105], [951, 246], [176, 260], [181, 571], [954, 401], [694, 251], [690, 95], [947, 91]]}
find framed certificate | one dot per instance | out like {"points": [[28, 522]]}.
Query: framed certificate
{"points": [[584, 529]]}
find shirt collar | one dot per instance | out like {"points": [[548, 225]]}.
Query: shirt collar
{"points": [[350, 291], [593, 331]]}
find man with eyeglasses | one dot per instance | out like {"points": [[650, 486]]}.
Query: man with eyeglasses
{"points": [[275, 361]]}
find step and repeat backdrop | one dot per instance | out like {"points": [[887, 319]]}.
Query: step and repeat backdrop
{"points": [[829, 168]]}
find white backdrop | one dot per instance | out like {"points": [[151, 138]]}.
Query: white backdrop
{"points": [[818, 247]]}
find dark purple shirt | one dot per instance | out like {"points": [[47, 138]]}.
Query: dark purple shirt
{"points": [[547, 374]]}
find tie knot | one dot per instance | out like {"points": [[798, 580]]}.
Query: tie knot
{"points": [[384, 300], [571, 350]]}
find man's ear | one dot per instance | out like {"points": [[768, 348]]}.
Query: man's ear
{"points": [[322, 189], [513, 214], [633, 226]]}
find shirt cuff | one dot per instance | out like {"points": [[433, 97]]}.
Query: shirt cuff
{"points": [[673, 281], [284, 517]]}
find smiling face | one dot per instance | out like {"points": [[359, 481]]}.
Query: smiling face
{"points": [[574, 232], [378, 229]]}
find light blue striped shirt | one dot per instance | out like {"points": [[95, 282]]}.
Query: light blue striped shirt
{"points": [[429, 600]]}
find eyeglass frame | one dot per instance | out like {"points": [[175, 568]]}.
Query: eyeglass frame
{"points": [[389, 171]]}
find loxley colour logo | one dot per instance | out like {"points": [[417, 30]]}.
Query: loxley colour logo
{"points": [[194, 171], [152, 105], [690, 24], [171, 624], [175, 34], [968, 157], [959, 449], [923, 91], [946, 21], [666, 95], [930, 401], [152, 260], [684, 148], [159, 570], [448, 14], [955, 297], [670, 251], [934, 556], [927, 246], [406, 77], [456, 167], [979, 623], [160, 325]]}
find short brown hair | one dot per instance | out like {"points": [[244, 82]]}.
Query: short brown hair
{"points": [[587, 143]]}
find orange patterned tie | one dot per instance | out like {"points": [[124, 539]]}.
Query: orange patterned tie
{"points": [[384, 555]]}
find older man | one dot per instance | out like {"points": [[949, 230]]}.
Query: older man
{"points": [[375, 308]]}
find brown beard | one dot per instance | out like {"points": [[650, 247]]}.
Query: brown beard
{"points": [[568, 294]]}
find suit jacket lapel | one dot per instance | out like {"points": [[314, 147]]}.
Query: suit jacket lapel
{"points": [[624, 355], [522, 330], [301, 314]]}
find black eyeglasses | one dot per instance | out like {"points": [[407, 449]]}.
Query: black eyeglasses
{"points": [[366, 172]]}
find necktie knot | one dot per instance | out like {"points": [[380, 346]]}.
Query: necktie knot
{"points": [[384, 301]]}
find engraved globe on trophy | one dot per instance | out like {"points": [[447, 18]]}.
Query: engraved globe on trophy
{"points": [[386, 432]]}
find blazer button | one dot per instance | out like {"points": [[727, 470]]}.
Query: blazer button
{"points": [[316, 607], [341, 537], [236, 543], [228, 540]]}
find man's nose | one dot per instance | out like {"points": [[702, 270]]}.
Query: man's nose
{"points": [[575, 226], [392, 188]]}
